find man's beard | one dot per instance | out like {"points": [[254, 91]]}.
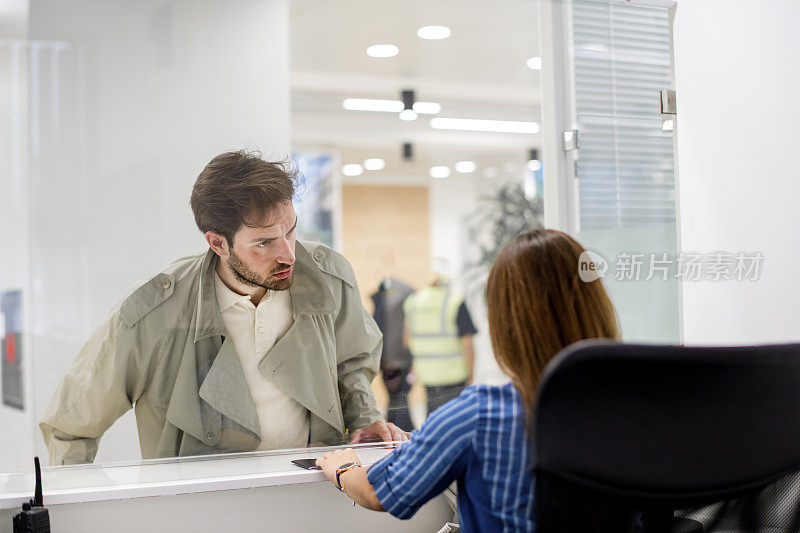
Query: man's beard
{"points": [[244, 274]]}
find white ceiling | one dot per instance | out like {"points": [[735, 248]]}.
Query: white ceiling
{"points": [[478, 72]]}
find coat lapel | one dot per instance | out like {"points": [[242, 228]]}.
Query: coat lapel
{"points": [[225, 389], [301, 365], [187, 411]]}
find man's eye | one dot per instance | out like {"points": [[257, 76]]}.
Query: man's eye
{"points": [[262, 244]]}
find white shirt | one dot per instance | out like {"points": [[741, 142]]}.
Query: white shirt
{"points": [[254, 330]]}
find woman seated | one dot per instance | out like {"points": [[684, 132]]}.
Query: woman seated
{"points": [[537, 305]]}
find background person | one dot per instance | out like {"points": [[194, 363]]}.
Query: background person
{"points": [[395, 358], [537, 306], [439, 333]]}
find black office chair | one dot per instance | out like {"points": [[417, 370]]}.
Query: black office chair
{"points": [[631, 438]]}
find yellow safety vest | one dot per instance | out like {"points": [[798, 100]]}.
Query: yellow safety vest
{"points": [[430, 315]]}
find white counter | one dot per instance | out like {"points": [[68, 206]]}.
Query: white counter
{"points": [[276, 490]]}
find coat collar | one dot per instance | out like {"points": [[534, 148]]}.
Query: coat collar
{"points": [[310, 293]]}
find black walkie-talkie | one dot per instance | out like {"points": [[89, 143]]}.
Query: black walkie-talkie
{"points": [[34, 518]]}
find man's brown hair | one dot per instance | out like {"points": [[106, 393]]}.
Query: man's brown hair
{"points": [[239, 188], [538, 305]]}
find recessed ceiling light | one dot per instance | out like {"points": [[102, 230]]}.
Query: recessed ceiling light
{"points": [[382, 50], [497, 126], [440, 172], [465, 167], [408, 114], [374, 163], [427, 108], [433, 32], [352, 169], [534, 63]]}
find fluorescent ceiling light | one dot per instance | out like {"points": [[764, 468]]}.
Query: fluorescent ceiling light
{"points": [[440, 172], [389, 106], [369, 104], [427, 108], [374, 163], [465, 167], [433, 32], [534, 63], [382, 50], [408, 114], [496, 126], [352, 169]]}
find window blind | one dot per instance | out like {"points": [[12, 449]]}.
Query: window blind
{"points": [[625, 165]]}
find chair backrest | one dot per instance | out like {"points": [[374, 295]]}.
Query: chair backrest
{"points": [[623, 435]]}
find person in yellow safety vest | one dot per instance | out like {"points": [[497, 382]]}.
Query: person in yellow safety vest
{"points": [[439, 333]]}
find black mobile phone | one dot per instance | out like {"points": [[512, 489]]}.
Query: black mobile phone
{"points": [[308, 464]]}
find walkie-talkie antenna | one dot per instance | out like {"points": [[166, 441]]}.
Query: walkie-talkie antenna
{"points": [[38, 500]]}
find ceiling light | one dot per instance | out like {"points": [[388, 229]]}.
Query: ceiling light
{"points": [[408, 114], [352, 169], [497, 126], [440, 172], [535, 63], [534, 165], [374, 163], [389, 106], [427, 108], [465, 167], [382, 50], [369, 104], [433, 32]]}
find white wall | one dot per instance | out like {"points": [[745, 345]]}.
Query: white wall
{"points": [[129, 100], [14, 219], [737, 67]]}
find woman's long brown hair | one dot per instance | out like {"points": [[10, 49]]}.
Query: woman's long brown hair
{"points": [[538, 305]]}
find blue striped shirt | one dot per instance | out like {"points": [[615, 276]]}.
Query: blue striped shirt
{"points": [[479, 440]]}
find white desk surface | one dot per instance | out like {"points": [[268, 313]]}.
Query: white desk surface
{"points": [[162, 477]]}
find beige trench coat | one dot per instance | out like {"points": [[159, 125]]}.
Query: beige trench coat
{"points": [[164, 352]]}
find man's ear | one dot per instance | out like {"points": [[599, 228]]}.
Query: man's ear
{"points": [[218, 243]]}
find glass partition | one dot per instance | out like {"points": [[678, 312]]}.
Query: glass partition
{"points": [[111, 110], [416, 139], [624, 201]]}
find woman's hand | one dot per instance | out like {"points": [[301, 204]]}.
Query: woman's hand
{"points": [[334, 459]]}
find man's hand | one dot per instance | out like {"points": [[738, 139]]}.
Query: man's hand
{"points": [[377, 432]]}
